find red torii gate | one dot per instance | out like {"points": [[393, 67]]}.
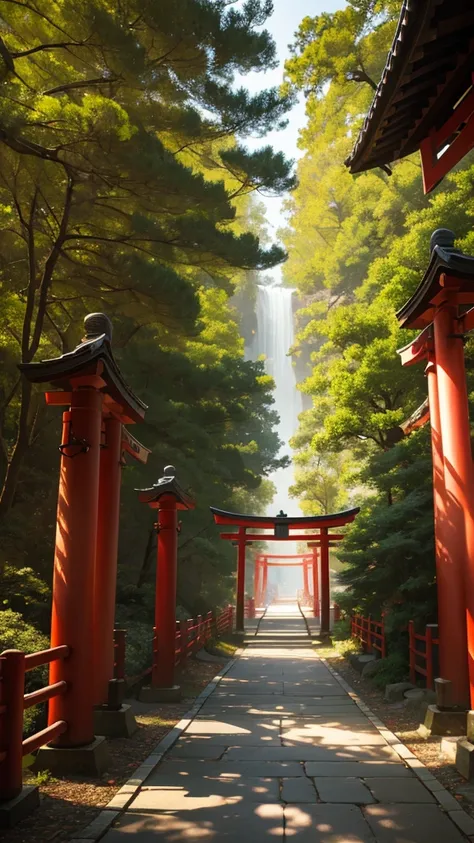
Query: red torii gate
{"points": [[98, 403], [262, 564], [282, 526], [438, 307]]}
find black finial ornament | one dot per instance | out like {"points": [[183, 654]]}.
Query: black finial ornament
{"points": [[282, 514], [96, 325], [442, 237]]}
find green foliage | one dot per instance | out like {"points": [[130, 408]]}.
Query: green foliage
{"points": [[16, 634], [389, 551], [126, 186], [394, 668], [123, 177], [358, 247], [26, 594]]}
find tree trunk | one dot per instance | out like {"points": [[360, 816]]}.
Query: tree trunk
{"points": [[22, 444]]}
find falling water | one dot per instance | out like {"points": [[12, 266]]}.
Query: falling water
{"points": [[273, 340]]}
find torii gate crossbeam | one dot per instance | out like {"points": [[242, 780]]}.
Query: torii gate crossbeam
{"points": [[281, 526]]}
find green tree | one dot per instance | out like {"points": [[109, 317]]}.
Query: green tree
{"points": [[357, 250], [103, 108]]}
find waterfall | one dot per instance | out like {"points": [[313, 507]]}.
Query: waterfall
{"points": [[273, 339]]}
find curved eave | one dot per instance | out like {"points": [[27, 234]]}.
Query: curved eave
{"points": [[60, 371], [412, 17], [169, 487], [428, 69], [236, 519], [418, 311]]}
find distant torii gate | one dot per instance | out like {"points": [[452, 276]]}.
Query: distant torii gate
{"points": [[262, 563], [281, 526]]}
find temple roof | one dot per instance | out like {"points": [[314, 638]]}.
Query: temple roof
{"points": [[166, 485], [236, 519], [428, 70], [93, 352], [418, 311]]}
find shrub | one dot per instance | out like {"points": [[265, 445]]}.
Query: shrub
{"points": [[393, 669], [16, 634]]}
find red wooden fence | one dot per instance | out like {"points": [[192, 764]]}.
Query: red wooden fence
{"points": [[14, 664], [370, 633], [428, 641], [191, 635]]}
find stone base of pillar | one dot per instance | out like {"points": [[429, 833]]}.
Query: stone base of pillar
{"points": [[115, 723], [465, 758], [152, 695], [438, 722], [91, 760], [14, 810]]}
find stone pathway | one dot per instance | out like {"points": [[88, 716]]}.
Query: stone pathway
{"points": [[280, 751]]}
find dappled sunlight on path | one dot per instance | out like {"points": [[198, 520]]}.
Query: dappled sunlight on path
{"points": [[280, 751]]}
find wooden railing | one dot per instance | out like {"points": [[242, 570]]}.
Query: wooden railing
{"points": [[14, 664], [428, 641], [370, 633], [191, 636], [249, 608]]}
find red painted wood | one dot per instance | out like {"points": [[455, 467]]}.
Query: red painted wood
{"points": [[105, 580], [458, 522], [450, 587], [316, 597], [12, 667], [165, 594], [325, 587], [74, 562], [239, 613], [462, 121], [304, 537]]}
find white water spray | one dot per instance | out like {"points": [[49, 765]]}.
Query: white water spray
{"points": [[274, 338]]}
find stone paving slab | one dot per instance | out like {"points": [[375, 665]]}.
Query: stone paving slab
{"points": [[234, 725], [344, 721], [179, 793], [359, 769], [399, 790], [280, 751], [313, 689], [313, 753], [235, 769], [344, 790], [327, 824], [192, 746], [231, 823], [323, 735], [411, 824], [188, 749], [298, 791]]}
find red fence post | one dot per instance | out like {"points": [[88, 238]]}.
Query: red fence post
{"points": [[155, 658], [369, 634], [429, 657], [183, 628], [12, 686], [119, 646], [412, 647]]}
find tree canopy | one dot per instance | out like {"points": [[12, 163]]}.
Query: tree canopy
{"points": [[358, 247], [126, 186]]}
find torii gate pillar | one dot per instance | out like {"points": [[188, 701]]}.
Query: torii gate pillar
{"points": [[316, 608], [92, 388], [167, 497], [325, 583]]}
